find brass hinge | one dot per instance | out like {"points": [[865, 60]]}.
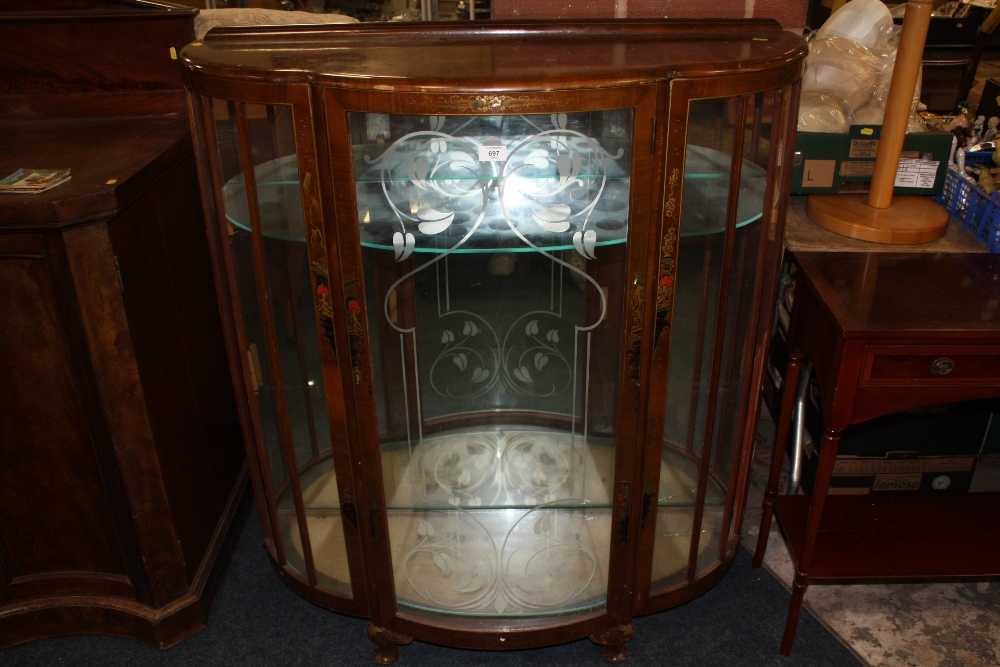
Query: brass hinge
{"points": [[253, 365]]}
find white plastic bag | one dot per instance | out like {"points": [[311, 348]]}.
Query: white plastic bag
{"points": [[849, 68], [819, 112], [863, 21]]}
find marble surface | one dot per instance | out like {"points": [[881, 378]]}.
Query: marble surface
{"points": [[802, 234]]}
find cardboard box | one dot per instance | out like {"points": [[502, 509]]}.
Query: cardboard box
{"points": [[943, 30], [930, 450], [863, 475], [941, 81], [830, 163], [954, 32]]}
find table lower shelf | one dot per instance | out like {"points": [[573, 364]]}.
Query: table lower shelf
{"points": [[897, 537]]}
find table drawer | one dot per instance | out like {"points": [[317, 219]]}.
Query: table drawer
{"points": [[931, 364]]}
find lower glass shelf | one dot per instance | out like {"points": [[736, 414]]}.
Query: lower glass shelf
{"points": [[512, 522]]}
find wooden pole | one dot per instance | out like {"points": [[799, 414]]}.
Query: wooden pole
{"points": [[876, 217], [897, 109]]}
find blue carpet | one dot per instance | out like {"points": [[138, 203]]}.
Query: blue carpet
{"points": [[256, 620]]}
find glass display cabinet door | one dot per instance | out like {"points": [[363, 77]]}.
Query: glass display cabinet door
{"points": [[288, 359], [494, 252], [713, 254]]}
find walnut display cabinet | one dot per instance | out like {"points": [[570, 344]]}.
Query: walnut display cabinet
{"points": [[499, 298]]}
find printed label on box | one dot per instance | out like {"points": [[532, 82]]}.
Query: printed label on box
{"points": [[857, 169], [916, 173], [863, 148], [863, 466], [897, 482], [849, 491]]}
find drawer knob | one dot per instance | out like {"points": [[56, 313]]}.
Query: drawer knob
{"points": [[942, 366]]}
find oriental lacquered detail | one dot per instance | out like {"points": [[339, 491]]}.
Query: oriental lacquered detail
{"points": [[637, 308], [499, 292], [665, 286]]}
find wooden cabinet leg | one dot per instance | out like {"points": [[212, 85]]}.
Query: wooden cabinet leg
{"points": [[387, 644], [790, 385], [612, 642]]}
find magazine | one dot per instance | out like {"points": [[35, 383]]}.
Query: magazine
{"points": [[34, 180]]}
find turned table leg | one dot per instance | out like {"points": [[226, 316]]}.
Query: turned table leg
{"points": [[821, 486], [794, 609], [790, 384]]}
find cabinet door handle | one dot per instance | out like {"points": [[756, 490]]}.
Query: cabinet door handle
{"points": [[942, 366]]}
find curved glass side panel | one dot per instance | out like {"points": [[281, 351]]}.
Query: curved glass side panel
{"points": [[494, 253], [734, 363], [244, 263], [285, 351], [715, 276]]}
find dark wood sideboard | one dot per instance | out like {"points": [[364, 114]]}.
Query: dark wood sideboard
{"points": [[122, 469]]}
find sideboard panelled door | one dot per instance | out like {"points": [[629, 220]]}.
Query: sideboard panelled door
{"points": [[264, 176], [718, 226], [493, 291]]}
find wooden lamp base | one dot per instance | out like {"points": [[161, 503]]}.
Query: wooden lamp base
{"points": [[908, 220]]}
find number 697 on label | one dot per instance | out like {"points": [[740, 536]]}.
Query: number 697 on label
{"points": [[492, 153]]}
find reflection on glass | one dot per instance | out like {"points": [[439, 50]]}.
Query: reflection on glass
{"points": [[295, 392], [494, 253], [710, 335]]}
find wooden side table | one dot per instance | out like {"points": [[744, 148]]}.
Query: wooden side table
{"points": [[887, 332]]}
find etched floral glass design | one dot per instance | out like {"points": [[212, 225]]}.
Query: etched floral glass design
{"points": [[494, 255]]}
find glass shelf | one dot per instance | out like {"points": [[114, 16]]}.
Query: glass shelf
{"points": [[476, 228], [472, 517]]}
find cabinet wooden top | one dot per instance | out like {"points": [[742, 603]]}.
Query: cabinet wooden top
{"points": [[112, 161], [498, 55], [906, 293]]}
